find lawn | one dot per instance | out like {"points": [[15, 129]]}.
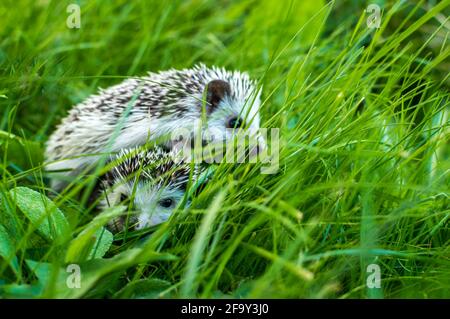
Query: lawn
{"points": [[358, 208]]}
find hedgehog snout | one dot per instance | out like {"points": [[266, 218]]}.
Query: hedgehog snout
{"points": [[121, 223], [151, 219]]}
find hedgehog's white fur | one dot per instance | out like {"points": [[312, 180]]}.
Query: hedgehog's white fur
{"points": [[146, 177], [163, 102]]}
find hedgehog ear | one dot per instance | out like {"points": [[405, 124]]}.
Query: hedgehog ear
{"points": [[216, 91]]}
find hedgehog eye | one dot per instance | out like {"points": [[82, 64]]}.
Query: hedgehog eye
{"points": [[234, 122], [166, 202]]}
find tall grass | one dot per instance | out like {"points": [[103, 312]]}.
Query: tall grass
{"points": [[364, 156]]}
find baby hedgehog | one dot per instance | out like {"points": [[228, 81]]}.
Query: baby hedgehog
{"points": [[152, 108], [153, 180]]}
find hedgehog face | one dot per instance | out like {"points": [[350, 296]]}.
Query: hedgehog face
{"points": [[150, 204], [233, 108], [150, 183]]}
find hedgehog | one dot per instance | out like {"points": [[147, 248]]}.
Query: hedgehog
{"points": [[154, 181], [147, 109]]}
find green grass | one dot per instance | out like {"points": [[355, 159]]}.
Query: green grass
{"points": [[364, 151]]}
